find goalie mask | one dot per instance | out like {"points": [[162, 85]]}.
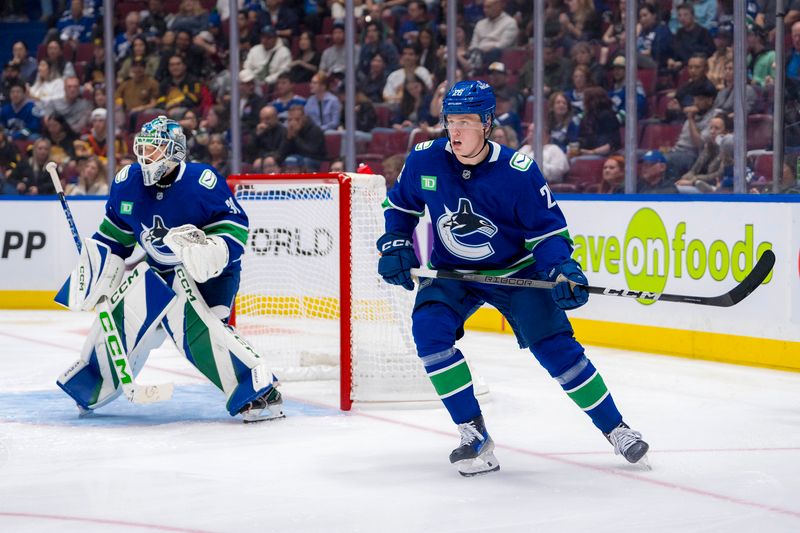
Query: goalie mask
{"points": [[159, 147]]}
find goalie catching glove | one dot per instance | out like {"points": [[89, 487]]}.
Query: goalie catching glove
{"points": [[397, 260], [97, 274], [204, 257]]}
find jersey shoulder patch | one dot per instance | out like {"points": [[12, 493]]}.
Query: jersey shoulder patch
{"points": [[424, 145], [519, 161], [208, 179], [122, 175]]}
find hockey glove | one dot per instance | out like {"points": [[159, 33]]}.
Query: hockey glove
{"points": [[397, 258], [204, 257], [566, 294]]}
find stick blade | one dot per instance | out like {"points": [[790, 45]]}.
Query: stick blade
{"points": [[751, 282], [143, 394]]}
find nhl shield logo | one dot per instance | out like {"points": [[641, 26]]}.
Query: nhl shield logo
{"points": [[466, 174]]}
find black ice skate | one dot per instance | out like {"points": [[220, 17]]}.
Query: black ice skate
{"points": [[475, 455], [627, 443], [266, 407]]}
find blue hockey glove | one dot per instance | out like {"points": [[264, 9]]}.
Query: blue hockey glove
{"points": [[565, 295], [397, 258]]}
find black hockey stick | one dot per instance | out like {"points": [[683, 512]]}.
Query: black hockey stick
{"points": [[750, 283]]}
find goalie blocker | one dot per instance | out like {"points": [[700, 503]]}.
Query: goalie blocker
{"points": [[145, 310]]}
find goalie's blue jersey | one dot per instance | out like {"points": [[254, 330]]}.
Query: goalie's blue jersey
{"points": [[139, 214], [496, 217]]}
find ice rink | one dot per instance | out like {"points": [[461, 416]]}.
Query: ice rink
{"points": [[725, 451]]}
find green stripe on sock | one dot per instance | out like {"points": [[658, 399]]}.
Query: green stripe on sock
{"points": [[199, 341], [448, 381], [589, 392]]}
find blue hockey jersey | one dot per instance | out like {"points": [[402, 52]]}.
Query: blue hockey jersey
{"points": [[139, 214], [495, 217]]}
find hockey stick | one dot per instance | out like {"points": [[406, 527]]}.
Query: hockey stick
{"points": [[750, 283], [124, 371]]}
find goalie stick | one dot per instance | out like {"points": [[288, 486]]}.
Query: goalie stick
{"points": [[134, 392], [750, 283]]}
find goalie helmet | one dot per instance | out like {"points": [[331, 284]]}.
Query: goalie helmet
{"points": [[159, 147], [470, 97]]}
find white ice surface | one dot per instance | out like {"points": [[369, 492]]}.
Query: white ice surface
{"points": [[725, 451]]}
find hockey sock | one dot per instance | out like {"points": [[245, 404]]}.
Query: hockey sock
{"points": [[450, 375], [584, 384]]}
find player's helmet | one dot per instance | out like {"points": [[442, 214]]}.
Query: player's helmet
{"points": [[470, 97], [159, 147]]}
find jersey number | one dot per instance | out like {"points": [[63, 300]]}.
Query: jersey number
{"points": [[545, 191], [232, 206]]}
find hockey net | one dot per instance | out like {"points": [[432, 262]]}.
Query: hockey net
{"points": [[310, 297]]}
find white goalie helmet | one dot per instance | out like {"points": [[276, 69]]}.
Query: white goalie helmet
{"points": [[159, 147]]}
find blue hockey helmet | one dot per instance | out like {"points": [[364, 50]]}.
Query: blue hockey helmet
{"points": [[159, 147], [470, 97]]}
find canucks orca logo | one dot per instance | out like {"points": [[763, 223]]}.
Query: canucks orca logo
{"points": [[152, 240], [464, 233]]}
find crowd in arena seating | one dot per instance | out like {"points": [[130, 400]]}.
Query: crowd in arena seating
{"points": [[172, 58]]}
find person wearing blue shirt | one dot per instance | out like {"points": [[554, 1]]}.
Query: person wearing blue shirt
{"points": [[21, 118], [492, 213], [793, 55], [75, 24], [617, 91]]}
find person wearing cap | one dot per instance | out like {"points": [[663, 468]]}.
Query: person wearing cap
{"points": [[333, 59], [653, 175], [250, 103], [139, 92], [617, 90], [96, 137], [695, 128], [498, 79], [690, 39], [268, 59]]}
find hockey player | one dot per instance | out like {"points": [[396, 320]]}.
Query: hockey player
{"points": [[493, 213], [194, 233]]}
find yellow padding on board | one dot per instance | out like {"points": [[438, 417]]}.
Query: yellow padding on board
{"points": [[751, 351], [28, 300]]}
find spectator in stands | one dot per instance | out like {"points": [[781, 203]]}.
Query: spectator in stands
{"points": [[333, 59], [617, 91], [179, 88], [191, 17], [154, 21], [306, 64], [218, 120], [139, 49], [703, 11], [554, 162], [270, 58], [248, 34], [613, 180], [54, 55], [655, 39], [374, 81], [218, 156], [193, 56], [581, 80], [724, 183], [697, 69], [10, 159], [599, 131], [498, 79], [92, 179], [305, 141], [557, 72], [723, 52], [250, 103], [414, 109], [99, 96], [282, 18], [581, 22], [365, 114], [793, 54], [20, 117], [690, 141], [322, 107], [761, 61], [95, 71], [337, 165], [462, 51], [614, 35], [96, 138], [504, 135], [124, 40], [691, 39], [492, 34], [789, 183], [416, 21], [582, 54], [724, 101], [653, 175], [562, 120], [71, 106], [506, 116], [10, 77], [285, 97], [74, 25], [30, 176], [429, 53], [269, 165], [708, 166], [268, 138], [373, 43], [48, 86], [409, 66], [392, 166], [27, 65], [137, 93], [58, 132]]}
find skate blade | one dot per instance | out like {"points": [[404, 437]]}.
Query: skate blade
{"points": [[644, 463], [483, 464], [252, 419]]}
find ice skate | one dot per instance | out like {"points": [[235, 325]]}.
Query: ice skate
{"points": [[627, 443], [475, 455], [266, 407]]}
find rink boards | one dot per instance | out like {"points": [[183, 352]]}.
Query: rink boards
{"points": [[699, 245]]}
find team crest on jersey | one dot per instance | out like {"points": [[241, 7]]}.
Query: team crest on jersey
{"points": [[466, 233], [152, 240]]}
